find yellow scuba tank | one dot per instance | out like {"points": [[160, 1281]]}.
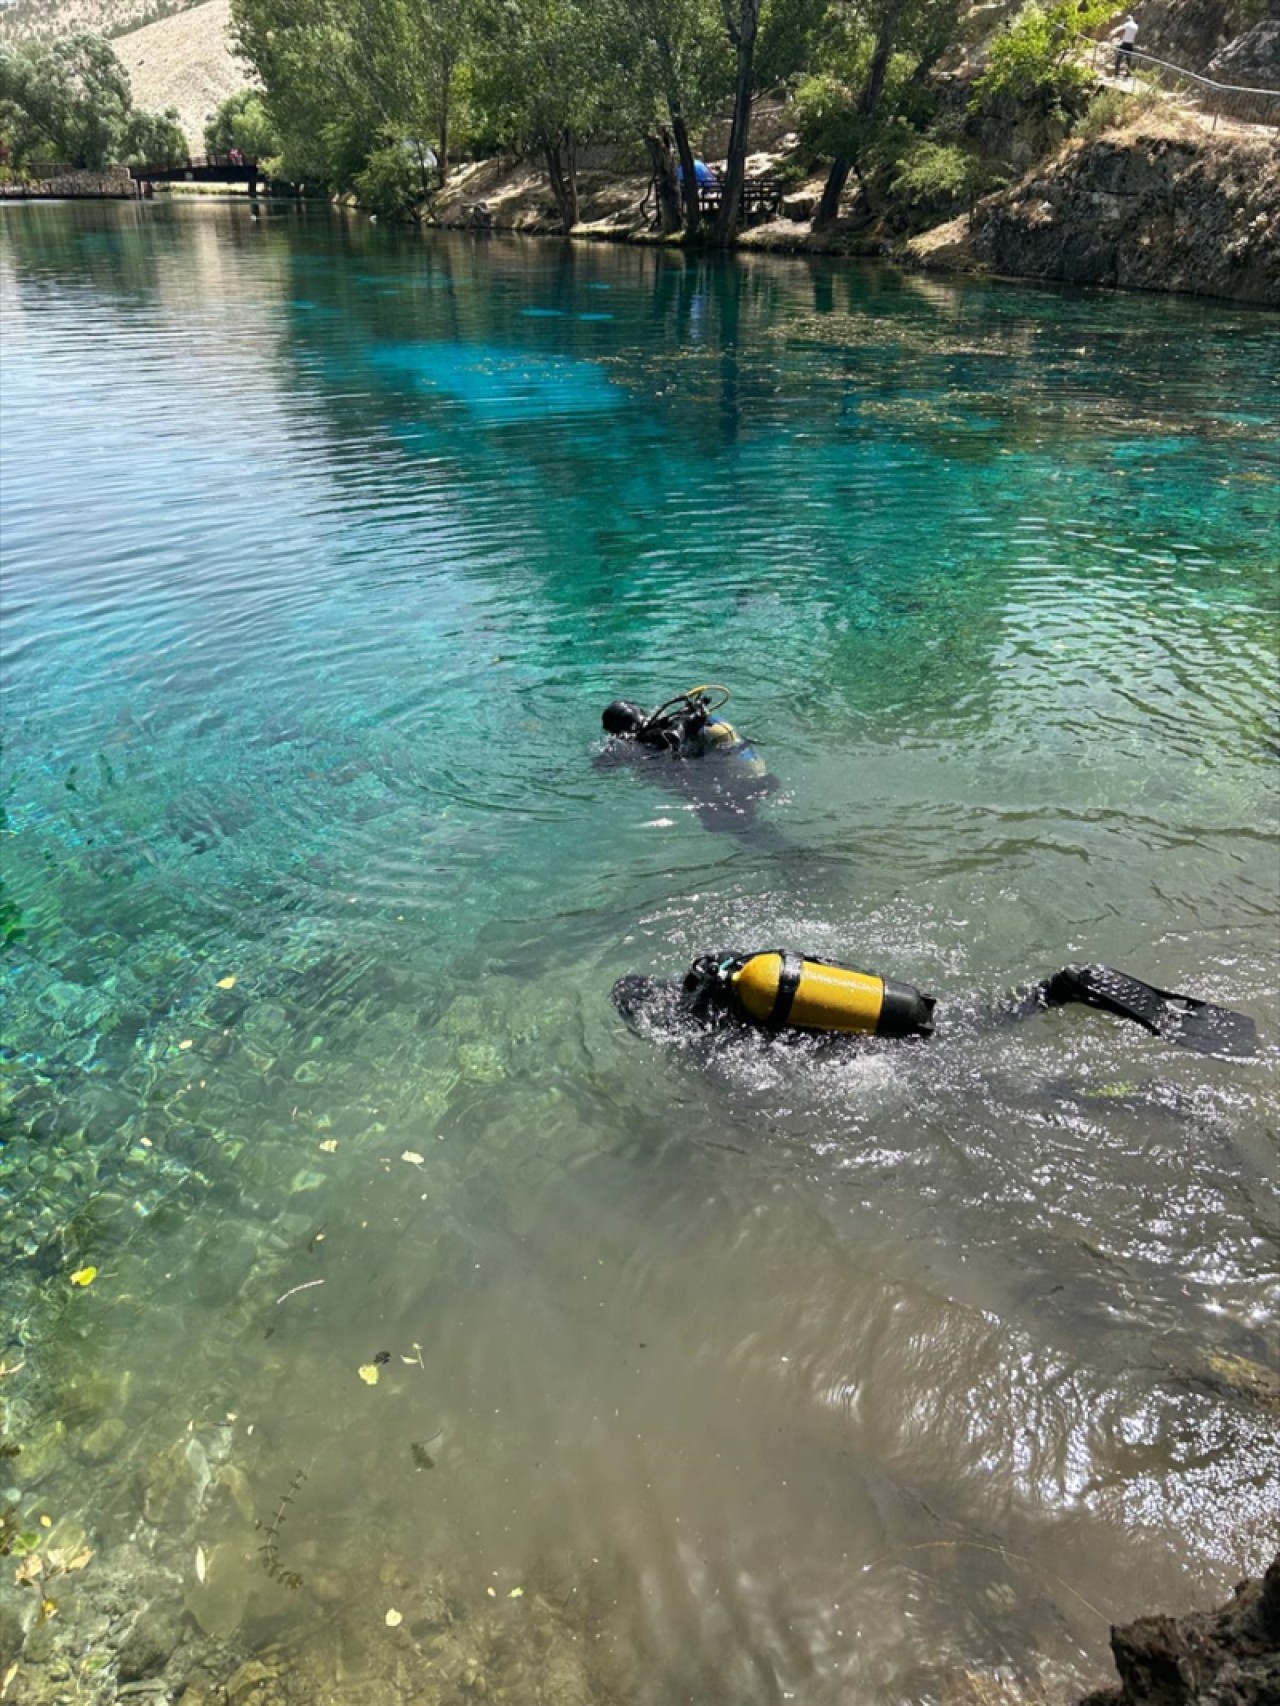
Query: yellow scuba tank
{"points": [[777, 989]]}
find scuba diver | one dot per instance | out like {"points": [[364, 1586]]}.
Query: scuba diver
{"points": [[785, 993], [698, 754]]}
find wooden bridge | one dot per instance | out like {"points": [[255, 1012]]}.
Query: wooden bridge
{"points": [[210, 169]]}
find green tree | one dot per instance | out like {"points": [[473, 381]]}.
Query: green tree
{"points": [[391, 182], [343, 80], [547, 83], [65, 100], [877, 53], [935, 179], [153, 138], [675, 67], [1039, 62], [324, 114], [242, 122]]}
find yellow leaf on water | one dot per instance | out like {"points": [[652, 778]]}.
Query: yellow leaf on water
{"points": [[492, 1592], [412, 1155], [185, 1043], [84, 1276], [48, 1609], [393, 1619], [201, 1566], [329, 1145], [368, 1372], [226, 983], [79, 1559], [516, 1593], [46, 1522]]}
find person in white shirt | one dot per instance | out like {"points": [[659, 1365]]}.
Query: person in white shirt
{"points": [[1124, 35]]}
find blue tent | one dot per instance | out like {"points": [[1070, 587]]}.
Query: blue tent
{"points": [[701, 171]]}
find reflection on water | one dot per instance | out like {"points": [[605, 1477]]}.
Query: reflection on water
{"points": [[445, 1338]]}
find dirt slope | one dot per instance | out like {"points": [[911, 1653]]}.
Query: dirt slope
{"points": [[45, 20], [184, 62]]}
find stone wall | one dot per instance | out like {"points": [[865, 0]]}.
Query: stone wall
{"points": [[112, 181]]}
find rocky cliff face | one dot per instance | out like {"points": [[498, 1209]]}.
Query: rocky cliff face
{"points": [[1252, 59], [1142, 211], [1190, 32]]}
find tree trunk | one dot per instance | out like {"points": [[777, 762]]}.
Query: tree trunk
{"points": [[832, 190], [864, 186], [559, 151], [664, 183], [446, 85], [742, 32], [879, 68], [689, 178], [868, 101]]}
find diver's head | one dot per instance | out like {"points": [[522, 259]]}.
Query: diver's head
{"points": [[624, 717]]}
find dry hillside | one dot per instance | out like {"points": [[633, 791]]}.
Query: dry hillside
{"points": [[21, 20], [184, 62]]}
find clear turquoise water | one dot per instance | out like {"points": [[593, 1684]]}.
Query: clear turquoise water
{"points": [[764, 1377]]}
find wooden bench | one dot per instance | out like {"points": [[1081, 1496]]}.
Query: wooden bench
{"points": [[761, 198]]}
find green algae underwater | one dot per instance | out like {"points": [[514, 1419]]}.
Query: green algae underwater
{"points": [[382, 1321]]}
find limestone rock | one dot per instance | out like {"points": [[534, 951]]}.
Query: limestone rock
{"points": [[218, 1604], [148, 1646]]}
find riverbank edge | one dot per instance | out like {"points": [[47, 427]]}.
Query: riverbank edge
{"points": [[1160, 207], [1230, 1655]]}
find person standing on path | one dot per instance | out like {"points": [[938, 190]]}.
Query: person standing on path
{"points": [[1124, 35]]}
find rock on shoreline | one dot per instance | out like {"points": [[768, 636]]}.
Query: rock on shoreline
{"points": [[1228, 1657]]}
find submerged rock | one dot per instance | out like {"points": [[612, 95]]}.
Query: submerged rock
{"points": [[1228, 1657]]}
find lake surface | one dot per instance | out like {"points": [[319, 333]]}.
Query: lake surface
{"points": [[728, 1377]]}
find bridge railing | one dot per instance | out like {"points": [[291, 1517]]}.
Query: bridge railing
{"points": [[1223, 100], [198, 163]]}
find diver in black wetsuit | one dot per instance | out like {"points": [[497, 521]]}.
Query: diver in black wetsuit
{"points": [[697, 753], [786, 993]]}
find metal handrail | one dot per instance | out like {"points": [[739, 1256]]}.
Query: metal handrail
{"points": [[1226, 93]]}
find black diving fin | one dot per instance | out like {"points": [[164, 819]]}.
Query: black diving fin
{"points": [[1179, 1019]]}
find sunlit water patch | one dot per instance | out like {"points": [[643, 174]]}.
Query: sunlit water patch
{"points": [[378, 1308]]}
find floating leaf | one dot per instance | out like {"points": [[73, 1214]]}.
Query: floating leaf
{"points": [[46, 1522], [29, 1570], [516, 1593], [411, 1155], [329, 1145], [201, 1567], [393, 1619], [48, 1609], [185, 1043], [368, 1372], [226, 983], [84, 1276], [492, 1592], [78, 1560]]}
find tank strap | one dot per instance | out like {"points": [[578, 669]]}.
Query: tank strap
{"points": [[789, 974]]}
